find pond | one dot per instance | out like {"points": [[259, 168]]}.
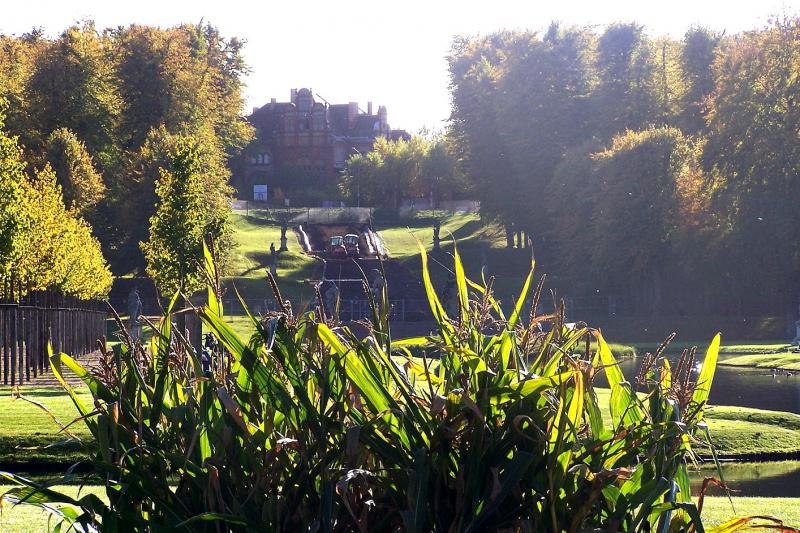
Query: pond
{"points": [[743, 387], [772, 479]]}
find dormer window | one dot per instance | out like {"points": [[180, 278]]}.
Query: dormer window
{"points": [[261, 159]]}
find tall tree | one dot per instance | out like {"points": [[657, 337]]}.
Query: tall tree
{"points": [[193, 206], [753, 150], [648, 182], [627, 96], [697, 59], [73, 86], [80, 183]]}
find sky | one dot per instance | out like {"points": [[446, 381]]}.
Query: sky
{"points": [[390, 53]]}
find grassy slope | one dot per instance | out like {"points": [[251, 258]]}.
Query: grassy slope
{"points": [[250, 260], [716, 509]]}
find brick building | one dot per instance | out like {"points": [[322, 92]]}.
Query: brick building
{"points": [[302, 145]]}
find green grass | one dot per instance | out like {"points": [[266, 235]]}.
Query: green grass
{"points": [[787, 361], [30, 519], [735, 348], [250, 259], [717, 509], [253, 234], [741, 430], [24, 426]]}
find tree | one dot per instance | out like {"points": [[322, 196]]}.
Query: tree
{"points": [[647, 183], [12, 179], [81, 184], [193, 207], [626, 95], [73, 86], [43, 245], [697, 58], [754, 155], [60, 251]]}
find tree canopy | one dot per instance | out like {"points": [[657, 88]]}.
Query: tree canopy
{"points": [[638, 163]]}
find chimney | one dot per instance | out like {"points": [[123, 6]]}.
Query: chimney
{"points": [[272, 101], [352, 113], [293, 95], [255, 108], [369, 108]]}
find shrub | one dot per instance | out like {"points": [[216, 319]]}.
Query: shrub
{"points": [[495, 425]]}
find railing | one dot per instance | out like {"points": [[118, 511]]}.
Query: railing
{"points": [[402, 309], [29, 324]]}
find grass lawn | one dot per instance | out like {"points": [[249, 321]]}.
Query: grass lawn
{"points": [[741, 430], [735, 348], [786, 361], [716, 510], [24, 425], [250, 259], [30, 519]]}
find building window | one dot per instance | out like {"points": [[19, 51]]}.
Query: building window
{"points": [[261, 159]]}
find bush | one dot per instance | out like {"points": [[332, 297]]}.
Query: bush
{"points": [[304, 426]]}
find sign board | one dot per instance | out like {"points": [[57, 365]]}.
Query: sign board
{"points": [[260, 193]]}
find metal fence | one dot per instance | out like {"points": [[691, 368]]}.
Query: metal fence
{"points": [[402, 309], [30, 323]]}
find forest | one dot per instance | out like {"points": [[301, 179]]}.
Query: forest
{"points": [[107, 119], [660, 171]]}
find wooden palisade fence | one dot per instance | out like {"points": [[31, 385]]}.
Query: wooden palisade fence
{"points": [[29, 322]]}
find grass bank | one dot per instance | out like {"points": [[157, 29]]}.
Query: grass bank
{"points": [[741, 431], [782, 361]]}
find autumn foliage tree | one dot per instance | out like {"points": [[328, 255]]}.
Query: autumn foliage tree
{"points": [[43, 244]]}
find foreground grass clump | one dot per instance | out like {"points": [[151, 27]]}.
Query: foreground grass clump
{"points": [[492, 423]]}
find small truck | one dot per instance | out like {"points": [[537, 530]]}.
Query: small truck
{"points": [[351, 245], [335, 248]]}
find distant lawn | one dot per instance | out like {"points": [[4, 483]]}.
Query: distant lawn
{"points": [[788, 361], [24, 426], [30, 519], [749, 348], [250, 260], [254, 232]]}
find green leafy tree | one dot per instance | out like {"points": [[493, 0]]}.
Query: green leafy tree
{"points": [[627, 96], [697, 59], [646, 183], [755, 157], [60, 251], [81, 184], [192, 207], [396, 169], [12, 180], [73, 86]]}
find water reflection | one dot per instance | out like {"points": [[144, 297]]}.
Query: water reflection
{"points": [[773, 479], [743, 387]]}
